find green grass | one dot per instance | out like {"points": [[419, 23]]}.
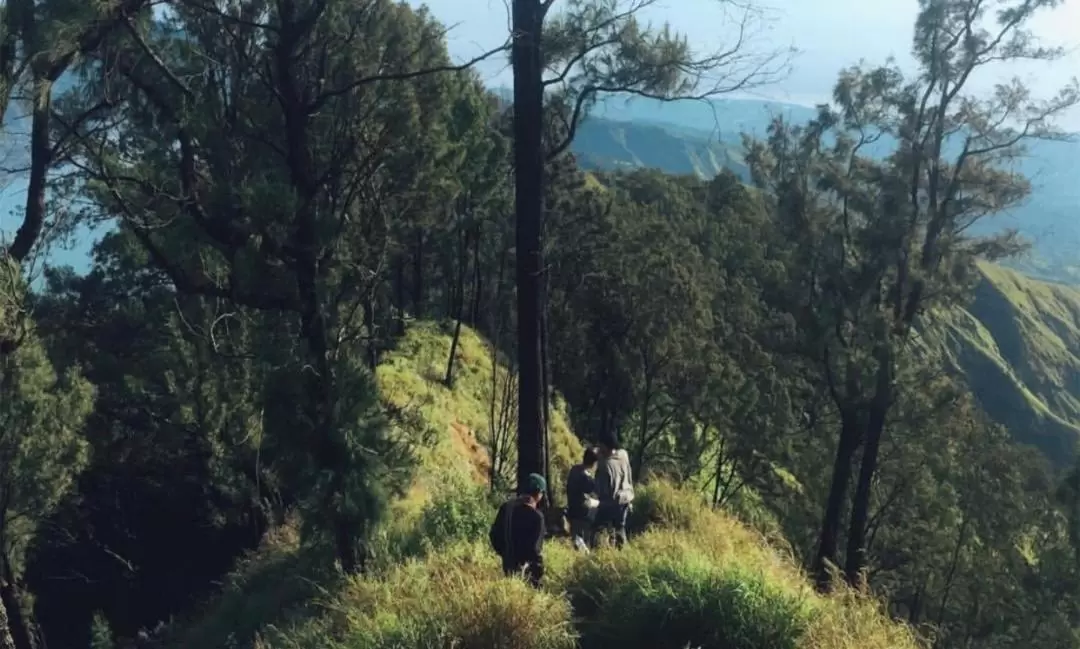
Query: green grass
{"points": [[692, 577], [613, 145], [411, 378], [1018, 345]]}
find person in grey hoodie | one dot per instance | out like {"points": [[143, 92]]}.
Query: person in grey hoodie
{"points": [[614, 488]]}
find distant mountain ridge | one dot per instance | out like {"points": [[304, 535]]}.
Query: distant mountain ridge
{"points": [[698, 135], [612, 145]]}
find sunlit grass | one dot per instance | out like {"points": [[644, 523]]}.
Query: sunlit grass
{"points": [[691, 578]]}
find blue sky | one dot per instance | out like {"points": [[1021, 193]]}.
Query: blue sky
{"points": [[829, 35]]}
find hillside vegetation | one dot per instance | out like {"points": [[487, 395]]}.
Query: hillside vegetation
{"points": [[1017, 343], [1047, 218], [1018, 347], [692, 577], [613, 145], [265, 415]]}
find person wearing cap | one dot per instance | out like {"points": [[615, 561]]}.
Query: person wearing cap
{"points": [[517, 535], [614, 488]]}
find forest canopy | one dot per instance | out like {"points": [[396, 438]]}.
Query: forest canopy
{"points": [[294, 188]]}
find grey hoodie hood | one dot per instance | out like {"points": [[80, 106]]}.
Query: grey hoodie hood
{"points": [[614, 479]]}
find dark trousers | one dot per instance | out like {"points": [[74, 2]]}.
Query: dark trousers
{"points": [[612, 515], [533, 572]]}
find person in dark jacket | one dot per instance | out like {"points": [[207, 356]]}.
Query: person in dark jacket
{"points": [[580, 504], [614, 488], [517, 535]]}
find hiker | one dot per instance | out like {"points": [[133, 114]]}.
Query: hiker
{"points": [[614, 488], [580, 504], [517, 535]]}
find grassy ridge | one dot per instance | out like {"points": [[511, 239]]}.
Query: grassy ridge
{"points": [[1018, 345], [613, 145], [692, 577]]}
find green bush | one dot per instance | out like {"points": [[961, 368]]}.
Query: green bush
{"points": [[686, 602], [461, 513], [659, 504], [457, 599]]}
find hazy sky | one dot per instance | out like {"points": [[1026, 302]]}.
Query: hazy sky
{"points": [[829, 34]]}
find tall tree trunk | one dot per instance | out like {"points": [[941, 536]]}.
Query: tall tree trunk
{"points": [[546, 386], [875, 428], [545, 369], [828, 540], [954, 563], [459, 305], [529, 207], [33, 223]]}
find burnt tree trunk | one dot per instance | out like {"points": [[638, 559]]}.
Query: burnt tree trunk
{"points": [[459, 303], [545, 368], [829, 538], [528, 206], [860, 508]]}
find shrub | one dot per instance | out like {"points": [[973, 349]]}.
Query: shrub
{"points": [[660, 504], [456, 599], [634, 599], [461, 513]]}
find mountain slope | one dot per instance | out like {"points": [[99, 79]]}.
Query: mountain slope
{"points": [[613, 145], [1018, 346]]}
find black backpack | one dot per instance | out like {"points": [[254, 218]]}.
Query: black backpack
{"points": [[499, 535]]}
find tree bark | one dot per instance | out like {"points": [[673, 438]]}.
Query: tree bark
{"points": [[546, 387], [529, 205], [40, 162], [828, 540], [458, 306], [875, 428]]}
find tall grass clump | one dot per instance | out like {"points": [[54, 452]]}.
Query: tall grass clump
{"points": [[695, 577], [457, 599], [463, 513], [629, 600]]}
